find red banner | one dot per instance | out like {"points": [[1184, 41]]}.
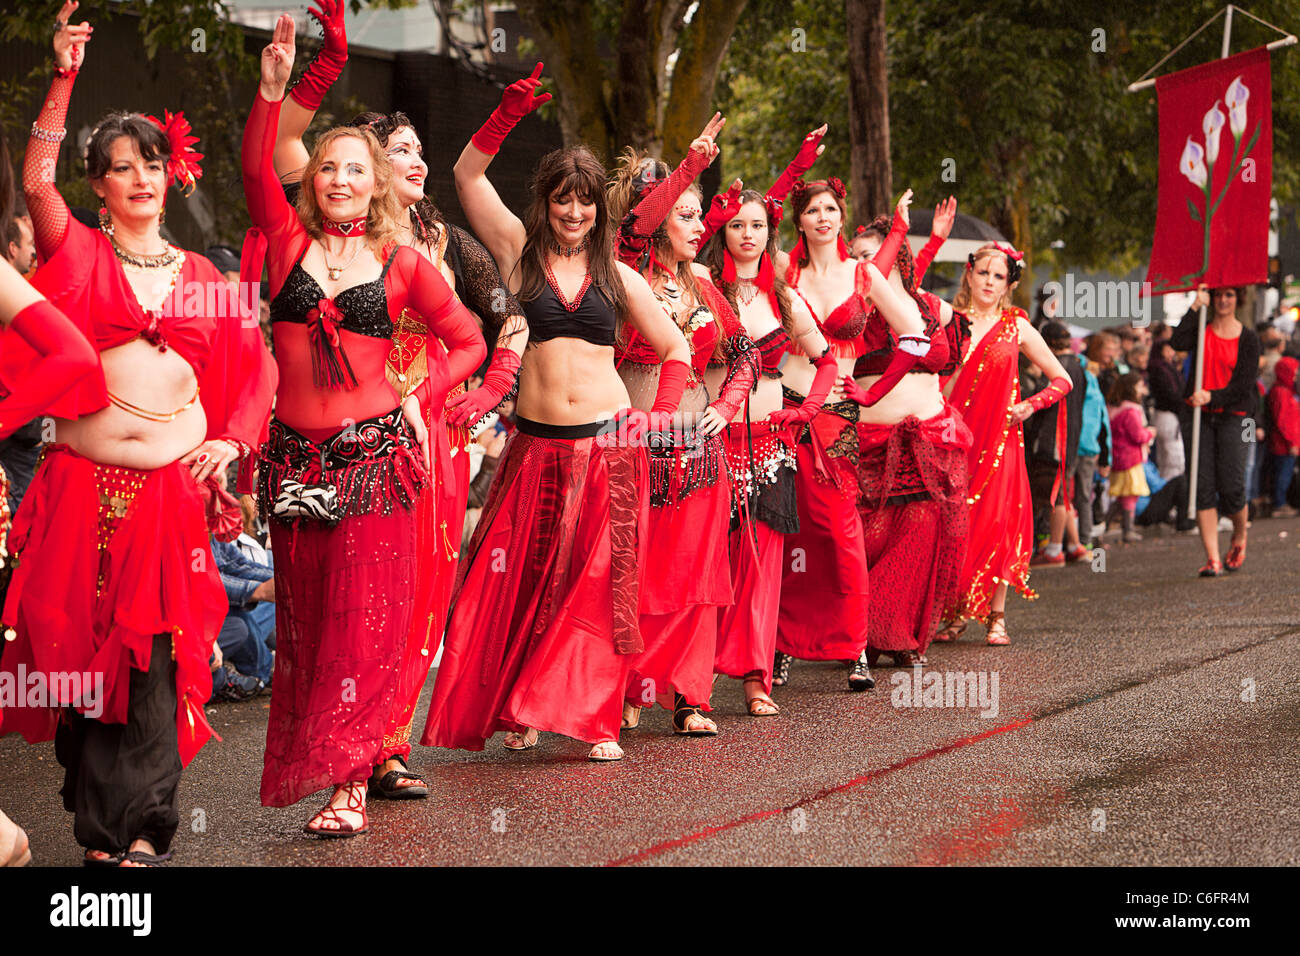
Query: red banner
{"points": [[1216, 174]]}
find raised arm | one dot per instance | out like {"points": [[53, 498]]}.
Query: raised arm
{"points": [[888, 251], [490, 218], [48, 210], [647, 215], [945, 214], [803, 161]]}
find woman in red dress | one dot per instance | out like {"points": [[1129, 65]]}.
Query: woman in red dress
{"points": [[107, 583], [470, 270], [986, 391], [687, 577], [347, 456], [911, 467], [544, 624], [824, 593]]}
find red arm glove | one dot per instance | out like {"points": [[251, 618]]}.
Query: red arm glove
{"points": [[741, 375], [634, 425], [66, 358], [469, 407], [519, 99], [926, 256], [722, 209], [911, 348], [1055, 391], [827, 369], [672, 382], [802, 162], [654, 209], [312, 86], [888, 251]]}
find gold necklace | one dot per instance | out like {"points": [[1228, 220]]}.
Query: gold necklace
{"points": [[336, 272], [139, 260]]}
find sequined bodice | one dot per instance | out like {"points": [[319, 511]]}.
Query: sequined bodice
{"points": [[364, 307]]}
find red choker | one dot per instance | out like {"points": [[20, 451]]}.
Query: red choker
{"points": [[345, 230]]}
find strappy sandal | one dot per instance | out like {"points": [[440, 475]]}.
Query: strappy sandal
{"points": [[996, 624], [860, 678], [386, 786], [330, 814], [631, 717], [599, 755], [108, 859], [1236, 557], [759, 705], [684, 713], [950, 632], [1211, 569], [136, 858], [781, 669], [517, 741]]}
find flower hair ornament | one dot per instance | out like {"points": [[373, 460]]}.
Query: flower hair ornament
{"points": [[183, 166], [1015, 262]]}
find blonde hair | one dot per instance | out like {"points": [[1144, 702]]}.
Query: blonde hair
{"points": [[383, 218], [987, 251]]}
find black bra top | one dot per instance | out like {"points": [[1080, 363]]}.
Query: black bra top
{"points": [[592, 321], [364, 307]]}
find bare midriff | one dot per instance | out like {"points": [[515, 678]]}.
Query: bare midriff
{"points": [[917, 394], [568, 381]]}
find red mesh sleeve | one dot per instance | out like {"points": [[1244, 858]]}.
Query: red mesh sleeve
{"points": [[48, 210], [653, 209], [267, 207]]}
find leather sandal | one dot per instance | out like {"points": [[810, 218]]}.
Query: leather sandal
{"points": [[631, 717], [356, 803], [607, 751], [860, 678], [781, 669], [689, 722], [1236, 557], [1211, 569], [387, 785], [108, 859], [759, 704], [517, 741], [950, 632], [136, 858], [996, 623]]}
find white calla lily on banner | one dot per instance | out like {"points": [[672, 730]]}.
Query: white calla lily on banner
{"points": [[1212, 126], [1236, 98], [1192, 164]]}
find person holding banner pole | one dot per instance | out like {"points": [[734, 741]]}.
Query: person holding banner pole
{"points": [[1223, 388]]}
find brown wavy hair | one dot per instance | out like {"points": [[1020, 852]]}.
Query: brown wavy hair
{"points": [[962, 302], [573, 169], [385, 212], [713, 258]]}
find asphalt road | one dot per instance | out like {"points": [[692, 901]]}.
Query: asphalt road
{"points": [[1144, 716]]}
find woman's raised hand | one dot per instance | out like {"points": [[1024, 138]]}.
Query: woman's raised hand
{"points": [[70, 41], [904, 202], [277, 59], [706, 143], [330, 18]]}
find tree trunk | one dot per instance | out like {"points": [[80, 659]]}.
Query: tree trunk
{"points": [[695, 74], [871, 176]]}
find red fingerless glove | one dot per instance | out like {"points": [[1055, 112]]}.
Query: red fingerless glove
{"points": [[502, 371], [926, 256], [888, 251], [722, 209], [672, 382], [66, 358], [911, 348], [740, 380], [1056, 390], [519, 99], [309, 92], [802, 162], [650, 212], [827, 370]]}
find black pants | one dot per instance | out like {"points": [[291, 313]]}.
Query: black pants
{"points": [[121, 779], [1221, 470], [1170, 498]]}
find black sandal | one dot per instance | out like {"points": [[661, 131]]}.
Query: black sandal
{"points": [[113, 859], [141, 858], [682, 713], [860, 674], [781, 669], [386, 786]]}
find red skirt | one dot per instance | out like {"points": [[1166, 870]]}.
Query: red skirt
{"points": [[914, 520], [543, 624], [824, 589], [747, 627], [686, 575], [109, 558], [344, 597]]}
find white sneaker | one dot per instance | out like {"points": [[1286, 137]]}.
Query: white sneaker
{"points": [[1225, 524]]}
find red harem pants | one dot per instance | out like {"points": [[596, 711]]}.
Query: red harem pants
{"points": [[760, 520], [687, 578], [543, 623], [824, 578], [915, 522]]}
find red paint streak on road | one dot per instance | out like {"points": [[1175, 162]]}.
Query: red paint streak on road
{"points": [[865, 778]]}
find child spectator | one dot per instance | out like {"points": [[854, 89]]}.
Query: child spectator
{"points": [[1284, 434], [1130, 438]]}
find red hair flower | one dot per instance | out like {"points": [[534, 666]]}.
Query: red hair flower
{"points": [[183, 166], [837, 186]]}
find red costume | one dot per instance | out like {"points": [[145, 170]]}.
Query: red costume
{"points": [[1000, 543], [107, 583], [824, 590], [346, 579]]}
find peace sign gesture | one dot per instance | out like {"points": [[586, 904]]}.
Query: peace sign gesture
{"points": [[705, 144]]}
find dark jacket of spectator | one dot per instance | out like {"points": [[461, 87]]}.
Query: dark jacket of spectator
{"points": [[239, 575]]}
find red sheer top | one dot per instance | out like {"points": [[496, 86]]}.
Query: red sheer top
{"points": [[880, 342], [202, 320], [350, 335]]}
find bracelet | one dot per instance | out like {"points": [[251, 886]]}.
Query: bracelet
{"points": [[243, 450], [67, 74], [48, 135]]}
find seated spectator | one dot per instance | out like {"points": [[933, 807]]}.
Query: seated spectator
{"points": [[247, 635]]}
